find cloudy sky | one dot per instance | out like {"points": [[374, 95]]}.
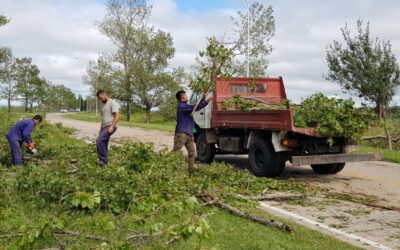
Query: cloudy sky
{"points": [[61, 36]]}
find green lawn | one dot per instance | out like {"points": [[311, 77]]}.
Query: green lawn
{"points": [[388, 155], [393, 125], [137, 120]]}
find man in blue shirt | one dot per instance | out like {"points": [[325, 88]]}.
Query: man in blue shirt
{"points": [[185, 124], [20, 133]]}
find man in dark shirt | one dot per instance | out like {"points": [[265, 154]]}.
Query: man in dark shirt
{"points": [[185, 124], [20, 133]]}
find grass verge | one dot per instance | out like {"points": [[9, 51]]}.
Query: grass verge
{"points": [[388, 155]]}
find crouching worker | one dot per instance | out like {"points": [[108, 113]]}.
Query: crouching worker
{"points": [[19, 134], [184, 126], [110, 115]]}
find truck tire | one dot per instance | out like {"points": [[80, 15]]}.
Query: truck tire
{"points": [[264, 161], [205, 151], [328, 168]]}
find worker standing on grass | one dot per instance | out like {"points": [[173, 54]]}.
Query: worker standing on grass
{"points": [[19, 134], [185, 124], [110, 115]]}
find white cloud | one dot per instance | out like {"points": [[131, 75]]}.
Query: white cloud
{"points": [[61, 36]]}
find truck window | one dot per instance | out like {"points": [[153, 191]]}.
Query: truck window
{"points": [[194, 98], [245, 88]]}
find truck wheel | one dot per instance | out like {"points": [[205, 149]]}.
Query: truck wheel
{"points": [[205, 151], [264, 161], [328, 168]]}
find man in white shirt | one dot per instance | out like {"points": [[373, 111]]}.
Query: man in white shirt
{"points": [[110, 115]]}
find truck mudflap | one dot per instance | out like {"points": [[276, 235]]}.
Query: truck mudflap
{"points": [[334, 158]]}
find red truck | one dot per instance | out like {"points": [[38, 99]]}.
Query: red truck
{"points": [[269, 137]]}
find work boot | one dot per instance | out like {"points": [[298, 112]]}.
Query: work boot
{"points": [[191, 170], [100, 164]]}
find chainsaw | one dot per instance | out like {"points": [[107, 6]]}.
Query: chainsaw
{"points": [[31, 147]]}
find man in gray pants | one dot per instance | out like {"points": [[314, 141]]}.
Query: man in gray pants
{"points": [[110, 114]]}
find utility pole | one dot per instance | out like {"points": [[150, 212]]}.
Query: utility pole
{"points": [[248, 39], [96, 106]]}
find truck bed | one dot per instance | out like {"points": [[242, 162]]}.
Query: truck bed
{"points": [[280, 120], [268, 90]]}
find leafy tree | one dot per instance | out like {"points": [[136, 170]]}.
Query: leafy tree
{"points": [[168, 106], [136, 71], [151, 83], [3, 51], [364, 66], [7, 78], [253, 31], [216, 60], [39, 93], [224, 57], [101, 74], [59, 96], [3, 20], [124, 18], [26, 75]]}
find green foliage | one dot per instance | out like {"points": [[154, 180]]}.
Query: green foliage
{"points": [[86, 200], [3, 186], [136, 71], [333, 117], [261, 23], [34, 234], [57, 97], [223, 57], [239, 103], [26, 75], [214, 61], [364, 66], [3, 20]]}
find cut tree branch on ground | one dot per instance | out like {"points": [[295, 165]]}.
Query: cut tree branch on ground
{"points": [[69, 233], [272, 197], [211, 200], [10, 236], [77, 234]]}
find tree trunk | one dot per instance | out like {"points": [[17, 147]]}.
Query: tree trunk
{"points": [[9, 104], [380, 109], [148, 114], [128, 111], [388, 137], [26, 105]]}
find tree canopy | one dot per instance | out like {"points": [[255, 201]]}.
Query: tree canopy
{"points": [[226, 56], [364, 66]]}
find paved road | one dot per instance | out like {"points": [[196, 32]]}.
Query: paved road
{"points": [[377, 179]]}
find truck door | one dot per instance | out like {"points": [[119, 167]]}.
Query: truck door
{"points": [[202, 117]]}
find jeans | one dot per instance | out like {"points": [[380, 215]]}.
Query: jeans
{"points": [[102, 144], [16, 151]]}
